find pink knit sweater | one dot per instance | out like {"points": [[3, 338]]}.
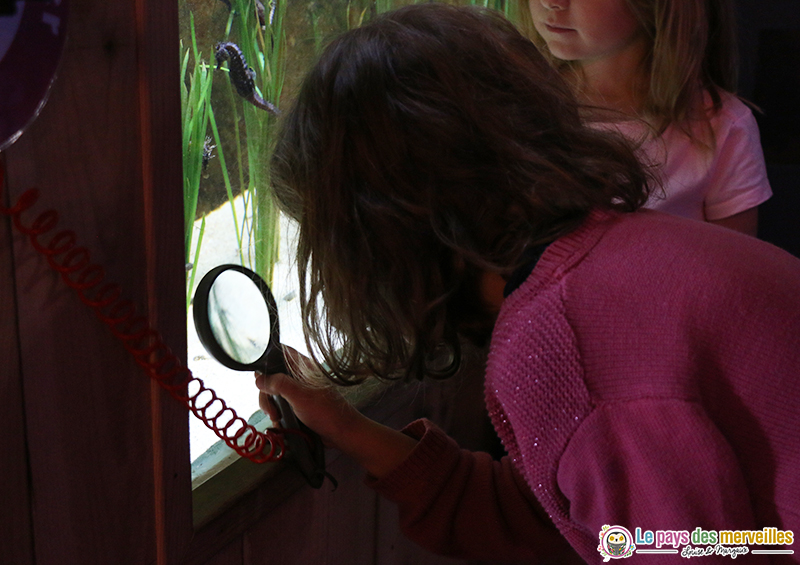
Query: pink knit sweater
{"points": [[647, 374]]}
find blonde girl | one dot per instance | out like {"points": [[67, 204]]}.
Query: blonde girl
{"points": [[663, 71]]}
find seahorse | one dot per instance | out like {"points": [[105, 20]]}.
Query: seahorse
{"points": [[242, 76], [262, 14]]}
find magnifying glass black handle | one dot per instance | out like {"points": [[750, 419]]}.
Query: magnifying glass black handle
{"points": [[309, 451], [215, 321]]}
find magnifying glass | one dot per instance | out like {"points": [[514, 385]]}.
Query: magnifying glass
{"points": [[237, 322]]}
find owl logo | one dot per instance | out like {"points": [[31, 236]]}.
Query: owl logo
{"points": [[616, 542]]}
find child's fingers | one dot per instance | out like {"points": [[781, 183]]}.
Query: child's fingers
{"points": [[264, 382], [266, 403], [322, 409], [280, 384], [268, 385], [277, 384]]}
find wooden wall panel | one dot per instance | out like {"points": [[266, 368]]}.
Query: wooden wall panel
{"points": [[393, 548], [87, 404], [162, 190], [103, 490], [15, 519], [230, 555], [319, 526]]}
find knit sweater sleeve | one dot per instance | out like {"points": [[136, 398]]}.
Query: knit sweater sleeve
{"points": [[464, 504], [655, 464]]}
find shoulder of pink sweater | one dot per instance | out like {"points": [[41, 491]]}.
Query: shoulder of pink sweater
{"points": [[655, 287], [567, 251]]}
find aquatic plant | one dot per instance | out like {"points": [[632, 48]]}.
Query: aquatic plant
{"points": [[195, 113], [256, 31]]}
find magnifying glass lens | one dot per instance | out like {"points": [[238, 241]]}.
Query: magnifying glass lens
{"points": [[239, 317]]}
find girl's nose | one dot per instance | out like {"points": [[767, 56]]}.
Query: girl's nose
{"points": [[554, 4]]}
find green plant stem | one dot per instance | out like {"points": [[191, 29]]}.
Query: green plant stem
{"points": [[190, 289], [195, 105], [226, 179]]}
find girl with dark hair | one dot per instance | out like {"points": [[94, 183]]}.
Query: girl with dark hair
{"points": [[663, 72], [643, 368]]}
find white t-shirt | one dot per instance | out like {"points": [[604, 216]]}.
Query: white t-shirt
{"points": [[701, 184]]}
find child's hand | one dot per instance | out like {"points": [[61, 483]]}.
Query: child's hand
{"points": [[375, 447], [321, 408]]}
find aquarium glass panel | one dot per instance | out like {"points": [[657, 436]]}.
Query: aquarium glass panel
{"points": [[242, 61]]}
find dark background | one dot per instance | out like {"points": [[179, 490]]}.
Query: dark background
{"points": [[769, 48]]}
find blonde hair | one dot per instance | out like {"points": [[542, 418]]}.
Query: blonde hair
{"points": [[692, 47]]}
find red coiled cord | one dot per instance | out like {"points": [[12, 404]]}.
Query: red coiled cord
{"points": [[146, 345]]}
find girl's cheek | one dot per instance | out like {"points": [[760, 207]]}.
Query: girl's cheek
{"points": [[536, 9]]}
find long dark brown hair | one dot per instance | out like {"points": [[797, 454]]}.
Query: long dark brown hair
{"points": [[425, 148]]}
